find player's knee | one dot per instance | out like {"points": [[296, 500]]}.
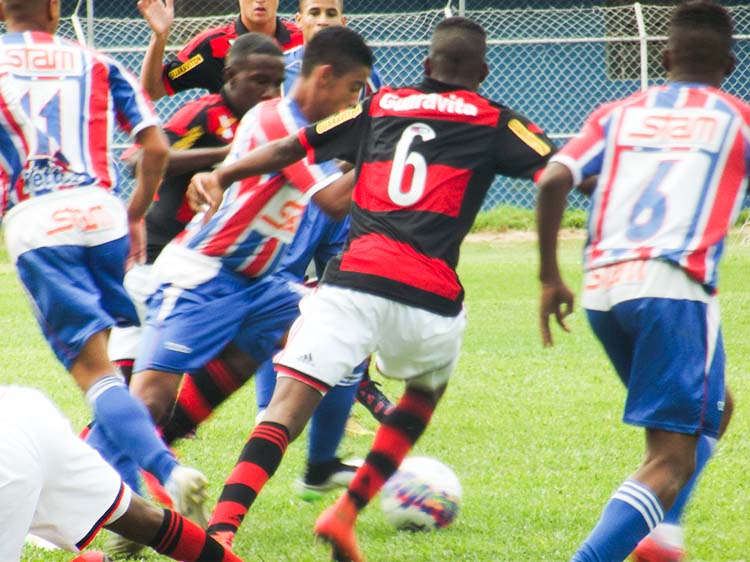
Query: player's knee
{"points": [[157, 391]]}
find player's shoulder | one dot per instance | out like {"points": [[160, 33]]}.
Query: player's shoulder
{"points": [[290, 36], [226, 31]]}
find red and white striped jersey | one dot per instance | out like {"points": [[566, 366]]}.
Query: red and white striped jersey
{"points": [[17, 135], [258, 216], [673, 165], [75, 97]]}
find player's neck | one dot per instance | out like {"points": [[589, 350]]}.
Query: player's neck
{"points": [[710, 79], [23, 26], [303, 95], [268, 28]]}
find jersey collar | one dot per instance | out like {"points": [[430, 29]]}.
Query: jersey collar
{"points": [[281, 35]]}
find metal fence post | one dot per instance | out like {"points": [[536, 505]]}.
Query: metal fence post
{"points": [[644, 44]]}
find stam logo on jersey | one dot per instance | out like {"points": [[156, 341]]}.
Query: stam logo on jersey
{"points": [[680, 128], [41, 60]]}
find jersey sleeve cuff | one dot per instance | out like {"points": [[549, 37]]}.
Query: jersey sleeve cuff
{"points": [[325, 182], [571, 165], [145, 124]]}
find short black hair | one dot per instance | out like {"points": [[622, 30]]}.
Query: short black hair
{"points": [[342, 48], [249, 44], [700, 35], [458, 47]]}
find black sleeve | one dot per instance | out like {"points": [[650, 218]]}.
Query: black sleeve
{"points": [[194, 67], [521, 148], [339, 135]]}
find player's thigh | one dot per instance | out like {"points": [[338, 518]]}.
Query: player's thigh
{"points": [[335, 332], [272, 307], [419, 346], [186, 328], [617, 342], [676, 379]]}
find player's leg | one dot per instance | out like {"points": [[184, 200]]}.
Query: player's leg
{"points": [[168, 533], [662, 357], [296, 393], [292, 405], [422, 348], [204, 390]]}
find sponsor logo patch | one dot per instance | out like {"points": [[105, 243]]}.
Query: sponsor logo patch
{"points": [[185, 67]]}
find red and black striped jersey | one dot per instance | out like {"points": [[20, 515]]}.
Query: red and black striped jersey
{"points": [[207, 122], [425, 157], [200, 63]]}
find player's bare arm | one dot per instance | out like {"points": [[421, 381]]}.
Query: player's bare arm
{"points": [[208, 188], [556, 298], [160, 16], [336, 199], [155, 149]]}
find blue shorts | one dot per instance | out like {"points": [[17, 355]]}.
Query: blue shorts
{"points": [[670, 355], [187, 328], [77, 291]]}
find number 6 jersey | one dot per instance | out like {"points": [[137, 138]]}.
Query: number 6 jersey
{"points": [[425, 157], [673, 169]]}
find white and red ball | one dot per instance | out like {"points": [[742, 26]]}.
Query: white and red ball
{"points": [[423, 495]]}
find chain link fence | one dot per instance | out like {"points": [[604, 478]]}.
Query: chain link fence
{"points": [[554, 65]]}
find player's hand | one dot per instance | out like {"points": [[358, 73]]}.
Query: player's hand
{"points": [[137, 254], [204, 194], [158, 14], [557, 299]]}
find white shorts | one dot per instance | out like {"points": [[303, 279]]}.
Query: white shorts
{"points": [[51, 483], [140, 283], [338, 328]]}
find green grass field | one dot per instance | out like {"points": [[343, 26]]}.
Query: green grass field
{"points": [[534, 434]]}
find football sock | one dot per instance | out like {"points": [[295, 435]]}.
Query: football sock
{"points": [[181, 539], [127, 425], [126, 467], [126, 368], [200, 394], [258, 461], [631, 513], [265, 383], [395, 437], [703, 452], [328, 423]]}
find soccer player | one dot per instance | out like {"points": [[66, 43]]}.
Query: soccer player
{"points": [[217, 296], [200, 63], [69, 236], [673, 169], [425, 157], [56, 486], [199, 133]]}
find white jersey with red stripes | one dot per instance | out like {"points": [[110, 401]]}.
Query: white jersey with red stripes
{"points": [[673, 166], [258, 216], [17, 135], [75, 97]]}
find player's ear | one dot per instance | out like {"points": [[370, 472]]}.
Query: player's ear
{"points": [[730, 65], [324, 74], [484, 72], [297, 18], [666, 59], [2, 11]]}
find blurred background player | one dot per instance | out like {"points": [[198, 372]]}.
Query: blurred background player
{"points": [[218, 295], [650, 272], [200, 63], [69, 235], [56, 486], [410, 316]]}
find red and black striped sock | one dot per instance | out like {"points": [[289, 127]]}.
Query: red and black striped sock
{"points": [[181, 539], [258, 461], [395, 437], [200, 394]]}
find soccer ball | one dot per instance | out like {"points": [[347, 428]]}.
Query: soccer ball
{"points": [[423, 495], [92, 556]]}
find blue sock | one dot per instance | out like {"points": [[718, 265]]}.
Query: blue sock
{"points": [[125, 466], [703, 453], [127, 424], [265, 382], [328, 423], [631, 513]]}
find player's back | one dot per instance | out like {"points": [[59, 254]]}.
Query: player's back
{"points": [[76, 97], [428, 156], [673, 176]]}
